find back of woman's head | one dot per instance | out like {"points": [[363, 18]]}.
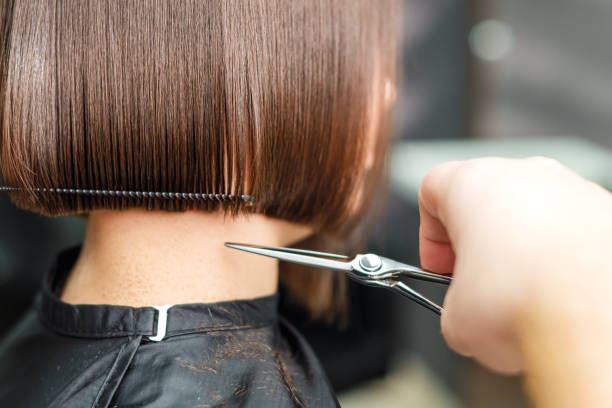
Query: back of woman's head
{"points": [[270, 98], [280, 100]]}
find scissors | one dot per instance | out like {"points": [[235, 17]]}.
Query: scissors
{"points": [[367, 269]]}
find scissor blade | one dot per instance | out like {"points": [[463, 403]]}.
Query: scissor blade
{"points": [[302, 251], [310, 258]]}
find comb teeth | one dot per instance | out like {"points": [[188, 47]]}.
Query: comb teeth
{"points": [[134, 194]]}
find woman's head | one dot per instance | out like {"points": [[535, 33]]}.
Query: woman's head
{"points": [[276, 99]]}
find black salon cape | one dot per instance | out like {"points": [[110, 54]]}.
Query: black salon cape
{"points": [[224, 354]]}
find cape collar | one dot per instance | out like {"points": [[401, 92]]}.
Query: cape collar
{"points": [[103, 321]]}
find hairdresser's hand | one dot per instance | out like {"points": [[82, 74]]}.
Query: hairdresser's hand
{"points": [[530, 246]]}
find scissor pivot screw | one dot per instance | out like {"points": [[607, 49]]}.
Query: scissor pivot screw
{"points": [[370, 262]]}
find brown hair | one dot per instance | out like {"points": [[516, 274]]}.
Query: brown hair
{"points": [[270, 98]]}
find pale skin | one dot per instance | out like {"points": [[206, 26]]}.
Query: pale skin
{"points": [[529, 244], [143, 258]]}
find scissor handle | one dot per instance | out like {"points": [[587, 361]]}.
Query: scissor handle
{"points": [[405, 290], [371, 266], [387, 273], [421, 274]]}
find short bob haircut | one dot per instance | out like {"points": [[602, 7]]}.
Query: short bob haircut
{"points": [[270, 98]]}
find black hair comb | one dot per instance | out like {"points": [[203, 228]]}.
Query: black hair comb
{"points": [[133, 194]]}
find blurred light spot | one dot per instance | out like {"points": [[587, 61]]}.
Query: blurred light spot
{"points": [[491, 40]]}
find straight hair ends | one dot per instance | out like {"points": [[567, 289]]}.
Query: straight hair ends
{"points": [[269, 98]]}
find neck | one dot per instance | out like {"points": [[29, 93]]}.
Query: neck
{"points": [[143, 258]]}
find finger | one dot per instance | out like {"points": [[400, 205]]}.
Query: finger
{"points": [[436, 256], [435, 247], [435, 200]]}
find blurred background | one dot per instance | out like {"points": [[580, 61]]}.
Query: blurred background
{"points": [[509, 78]]}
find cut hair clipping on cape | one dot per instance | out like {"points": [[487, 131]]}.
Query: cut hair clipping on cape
{"points": [[133, 194]]}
